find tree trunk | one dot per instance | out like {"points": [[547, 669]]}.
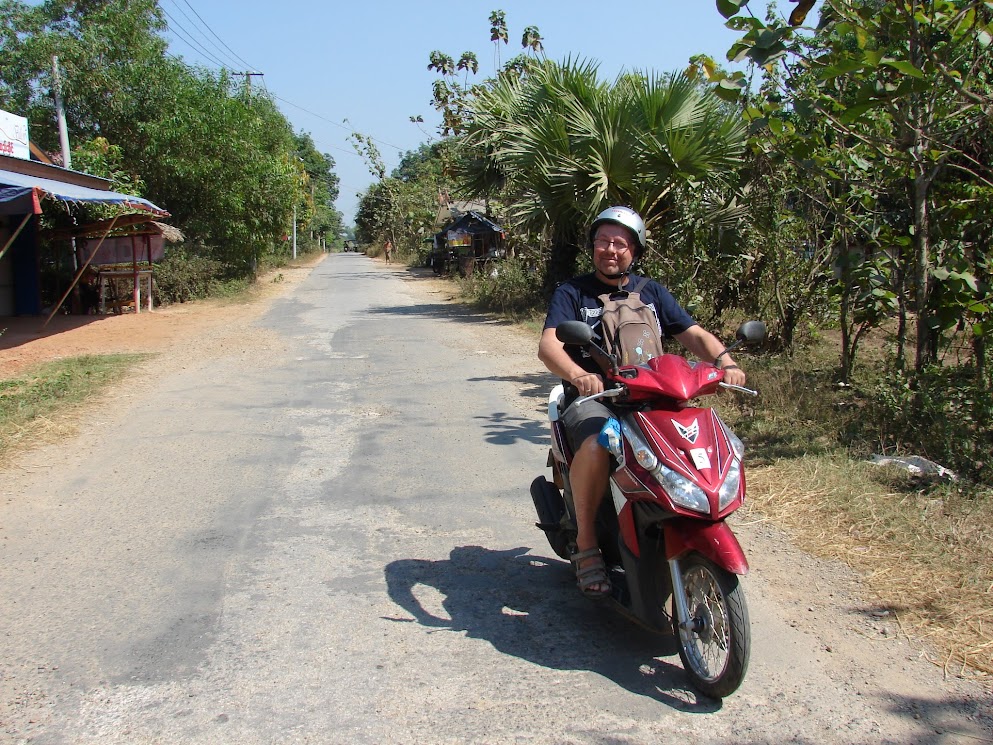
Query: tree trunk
{"points": [[926, 343], [845, 313], [901, 325]]}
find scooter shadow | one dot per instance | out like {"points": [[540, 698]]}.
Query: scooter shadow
{"points": [[528, 606]]}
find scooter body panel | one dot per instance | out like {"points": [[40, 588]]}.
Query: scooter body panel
{"points": [[715, 541], [691, 442]]}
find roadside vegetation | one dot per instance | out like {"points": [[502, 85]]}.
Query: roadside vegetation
{"points": [[206, 146], [38, 405]]}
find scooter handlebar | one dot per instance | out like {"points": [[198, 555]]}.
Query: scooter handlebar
{"points": [[609, 393], [739, 388]]}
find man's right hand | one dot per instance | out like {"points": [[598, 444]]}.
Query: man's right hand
{"points": [[588, 384]]}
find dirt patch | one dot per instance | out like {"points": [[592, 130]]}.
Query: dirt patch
{"points": [[26, 342]]}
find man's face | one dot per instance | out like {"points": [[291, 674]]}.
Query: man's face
{"points": [[613, 249]]}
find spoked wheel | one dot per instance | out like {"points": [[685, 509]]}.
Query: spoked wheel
{"points": [[715, 649]]}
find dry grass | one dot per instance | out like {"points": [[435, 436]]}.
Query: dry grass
{"points": [[927, 555], [43, 404]]}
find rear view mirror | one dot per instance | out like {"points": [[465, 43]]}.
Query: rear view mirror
{"points": [[751, 332], [576, 333]]}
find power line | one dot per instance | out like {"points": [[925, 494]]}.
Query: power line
{"points": [[176, 28], [240, 59], [215, 50], [331, 121]]}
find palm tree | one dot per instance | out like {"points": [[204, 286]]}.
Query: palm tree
{"points": [[562, 145]]}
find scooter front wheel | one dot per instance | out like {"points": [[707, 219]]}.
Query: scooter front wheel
{"points": [[714, 643]]}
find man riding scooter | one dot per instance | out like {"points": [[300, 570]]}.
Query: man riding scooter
{"points": [[617, 239]]}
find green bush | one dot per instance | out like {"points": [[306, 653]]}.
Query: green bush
{"points": [[942, 414], [511, 287], [185, 274]]}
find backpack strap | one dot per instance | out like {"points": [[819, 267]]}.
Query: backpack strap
{"points": [[623, 292], [637, 285]]}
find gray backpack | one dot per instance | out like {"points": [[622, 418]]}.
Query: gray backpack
{"points": [[629, 328]]}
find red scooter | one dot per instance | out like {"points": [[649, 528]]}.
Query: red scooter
{"points": [[676, 474]]}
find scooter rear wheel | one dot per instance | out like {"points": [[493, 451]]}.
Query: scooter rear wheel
{"points": [[550, 506], [715, 649]]}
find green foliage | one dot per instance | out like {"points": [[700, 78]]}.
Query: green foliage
{"points": [[186, 274], [560, 144], [877, 124], [320, 190], [941, 413], [885, 106], [510, 287], [100, 158], [404, 205], [245, 144]]}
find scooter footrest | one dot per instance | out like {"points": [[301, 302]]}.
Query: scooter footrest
{"points": [[548, 526]]}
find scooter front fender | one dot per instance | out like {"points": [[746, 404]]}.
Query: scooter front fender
{"points": [[715, 541]]}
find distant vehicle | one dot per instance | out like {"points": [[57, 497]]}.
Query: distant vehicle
{"points": [[472, 239]]}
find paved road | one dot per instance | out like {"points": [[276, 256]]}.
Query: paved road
{"points": [[320, 532]]}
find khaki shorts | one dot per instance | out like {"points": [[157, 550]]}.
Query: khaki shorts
{"points": [[583, 421]]}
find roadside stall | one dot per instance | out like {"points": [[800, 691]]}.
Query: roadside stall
{"points": [[121, 263], [27, 189], [471, 240]]}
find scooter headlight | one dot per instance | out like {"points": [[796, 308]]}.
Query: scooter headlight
{"points": [[737, 446], [642, 453], [682, 491], [729, 489]]}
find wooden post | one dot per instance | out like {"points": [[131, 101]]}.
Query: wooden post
{"points": [[79, 273], [13, 237], [136, 289], [148, 251]]}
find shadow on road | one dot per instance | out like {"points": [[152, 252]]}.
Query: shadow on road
{"points": [[527, 606], [532, 385], [507, 429], [447, 311]]}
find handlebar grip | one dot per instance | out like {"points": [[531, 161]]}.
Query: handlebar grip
{"points": [[609, 393], [739, 388]]}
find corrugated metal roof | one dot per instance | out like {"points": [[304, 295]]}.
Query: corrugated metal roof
{"points": [[21, 193]]}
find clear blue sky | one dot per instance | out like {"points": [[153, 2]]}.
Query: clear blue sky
{"points": [[366, 61]]}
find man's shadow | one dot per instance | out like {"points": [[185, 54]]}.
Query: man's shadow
{"points": [[528, 606]]}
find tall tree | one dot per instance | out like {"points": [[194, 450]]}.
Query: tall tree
{"points": [[909, 82], [564, 144]]}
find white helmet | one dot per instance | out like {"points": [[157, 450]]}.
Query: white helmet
{"points": [[626, 218]]}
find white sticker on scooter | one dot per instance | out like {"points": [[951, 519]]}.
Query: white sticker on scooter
{"points": [[687, 433], [700, 458]]}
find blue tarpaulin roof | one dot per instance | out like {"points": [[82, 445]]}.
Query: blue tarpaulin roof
{"points": [[20, 194]]}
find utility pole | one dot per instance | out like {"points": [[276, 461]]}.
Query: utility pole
{"points": [[248, 79], [294, 231], [61, 114]]}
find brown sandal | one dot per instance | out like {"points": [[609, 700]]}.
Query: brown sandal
{"points": [[593, 574]]}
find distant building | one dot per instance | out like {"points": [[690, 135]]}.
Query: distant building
{"points": [[466, 241]]}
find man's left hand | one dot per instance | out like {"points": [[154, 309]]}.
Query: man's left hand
{"points": [[734, 375]]}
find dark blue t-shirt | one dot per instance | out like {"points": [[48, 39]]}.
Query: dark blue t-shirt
{"points": [[579, 300]]}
